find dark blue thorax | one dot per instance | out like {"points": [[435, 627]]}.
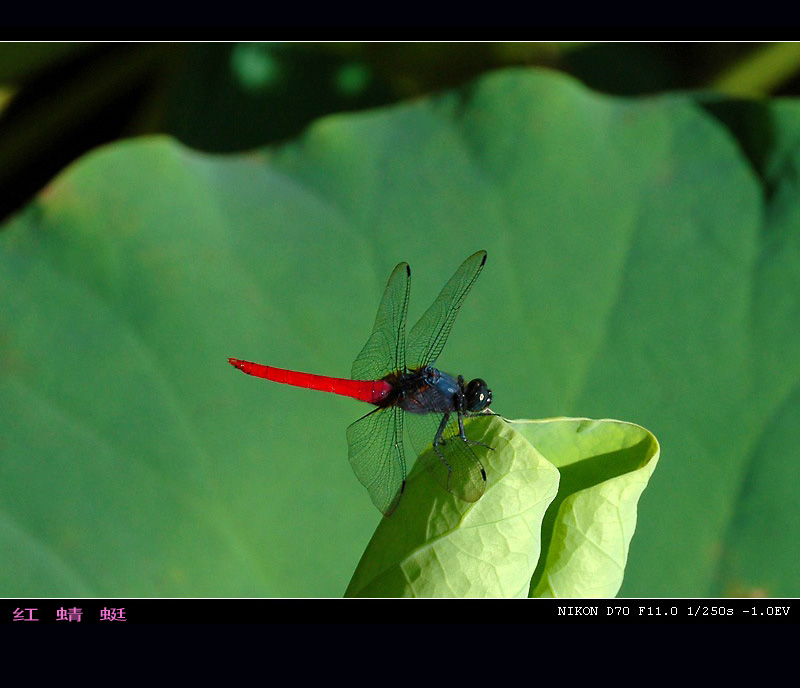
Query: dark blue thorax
{"points": [[429, 390]]}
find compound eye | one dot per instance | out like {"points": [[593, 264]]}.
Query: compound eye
{"points": [[479, 396]]}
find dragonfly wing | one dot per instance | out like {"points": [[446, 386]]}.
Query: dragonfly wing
{"points": [[376, 454], [427, 338], [385, 349], [454, 466]]}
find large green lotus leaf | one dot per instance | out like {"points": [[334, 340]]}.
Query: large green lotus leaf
{"points": [[760, 551], [604, 467], [436, 545], [644, 264]]}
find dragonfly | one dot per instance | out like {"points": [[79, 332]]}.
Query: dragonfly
{"points": [[395, 373]]}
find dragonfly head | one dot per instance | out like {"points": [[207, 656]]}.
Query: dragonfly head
{"points": [[478, 395]]}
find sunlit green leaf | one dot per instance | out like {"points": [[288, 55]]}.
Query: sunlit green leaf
{"points": [[604, 467]]}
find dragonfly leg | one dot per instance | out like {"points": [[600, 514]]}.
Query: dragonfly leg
{"points": [[463, 433], [437, 440]]}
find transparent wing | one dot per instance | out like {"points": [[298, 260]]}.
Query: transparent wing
{"points": [[427, 339], [454, 465], [375, 445], [385, 349]]}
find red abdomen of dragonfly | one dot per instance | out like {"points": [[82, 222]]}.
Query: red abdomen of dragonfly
{"points": [[371, 391]]}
